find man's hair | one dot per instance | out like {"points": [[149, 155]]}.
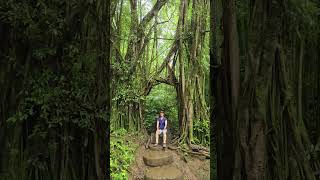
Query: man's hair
{"points": [[161, 111]]}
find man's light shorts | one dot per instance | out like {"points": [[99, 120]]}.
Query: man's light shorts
{"points": [[161, 131]]}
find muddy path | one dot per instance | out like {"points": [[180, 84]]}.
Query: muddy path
{"points": [[192, 168]]}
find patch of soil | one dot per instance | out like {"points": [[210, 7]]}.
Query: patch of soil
{"points": [[192, 168], [170, 172], [201, 168], [136, 171]]}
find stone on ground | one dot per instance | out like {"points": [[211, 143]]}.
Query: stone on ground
{"points": [[163, 173], [157, 158]]}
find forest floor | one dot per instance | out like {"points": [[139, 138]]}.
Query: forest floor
{"points": [[192, 167]]}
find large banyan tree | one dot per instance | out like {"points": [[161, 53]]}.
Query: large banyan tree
{"points": [[54, 84], [267, 120], [139, 65]]}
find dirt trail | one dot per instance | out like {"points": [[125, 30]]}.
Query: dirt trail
{"points": [[193, 169]]}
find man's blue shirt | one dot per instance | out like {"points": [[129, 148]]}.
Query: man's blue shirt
{"points": [[162, 121]]}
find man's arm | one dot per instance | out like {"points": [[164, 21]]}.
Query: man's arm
{"points": [[165, 124]]}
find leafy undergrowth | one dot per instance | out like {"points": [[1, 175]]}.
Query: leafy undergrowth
{"points": [[122, 147]]}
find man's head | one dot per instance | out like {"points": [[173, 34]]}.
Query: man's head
{"points": [[161, 113]]}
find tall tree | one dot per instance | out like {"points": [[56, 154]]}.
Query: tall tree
{"points": [[55, 101], [227, 84], [267, 135], [213, 83]]}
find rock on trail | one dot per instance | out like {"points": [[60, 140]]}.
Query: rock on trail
{"points": [[160, 165]]}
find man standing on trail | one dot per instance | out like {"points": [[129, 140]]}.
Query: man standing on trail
{"points": [[161, 128]]}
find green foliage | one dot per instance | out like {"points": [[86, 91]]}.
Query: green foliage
{"points": [[51, 103], [127, 94], [201, 129], [121, 154], [162, 97], [55, 100], [50, 51], [34, 21]]}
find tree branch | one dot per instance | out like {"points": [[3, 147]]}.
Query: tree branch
{"points": [[165, 81], [156, 8], [172, 50]]}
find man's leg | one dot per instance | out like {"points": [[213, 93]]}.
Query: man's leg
{"points": [[164, 137], [157, 136]]}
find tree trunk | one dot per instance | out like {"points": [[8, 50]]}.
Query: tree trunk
{"points": [[300, 72], [227, 96]]}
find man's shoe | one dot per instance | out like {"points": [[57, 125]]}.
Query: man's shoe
{"points": [[154, 145], [164, 145]]}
